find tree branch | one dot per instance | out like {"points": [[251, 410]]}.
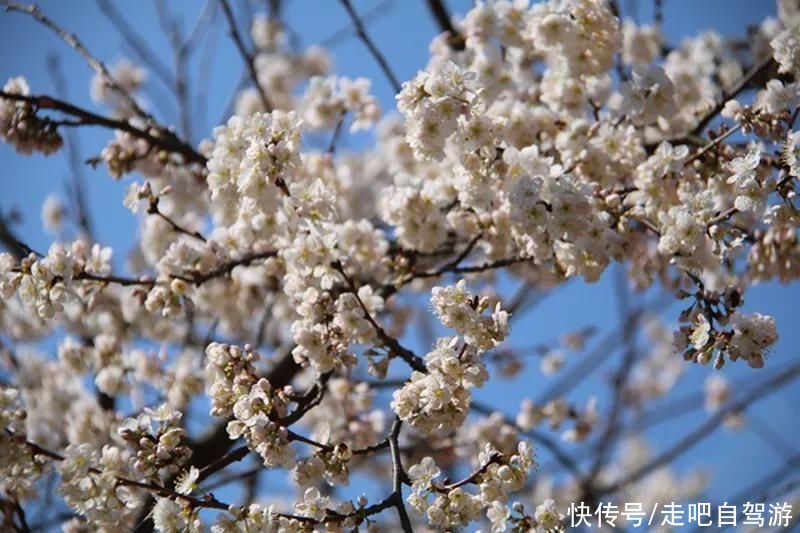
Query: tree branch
{"points": [[73, 155], [455, 40], [136, 42], [413, 360], [704, 430], [154, 210], [169, 142], [71, 40], [495, 457], [379, 57], [208, 501], [399, 476], [248, 58], [761, 66]]}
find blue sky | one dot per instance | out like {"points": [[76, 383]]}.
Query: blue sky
{"points": [[403, 34]]}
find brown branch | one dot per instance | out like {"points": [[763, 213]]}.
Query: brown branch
{"points": [[223, 462], [248, 58], [227, 268], [72, 40], [382, 445], [310, 399], [495, 457], [154, 210], [12, 243], [118, 280], [453, 268], [413, 360], [399, 476], [452, 265], [362, 34], [702, 151], [455, 39], [169, 142], [208, 501], [196, 278], [725, 215], [296, 437], [761, 66], [337, 130]]}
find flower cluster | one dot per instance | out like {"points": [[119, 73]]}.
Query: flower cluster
{"points": [[451, 506], [128, 76], [439, 400], [18, 468], [432, 104], [462, 312], [43, 283], [169, 516], [256, 408], [255, 417], [750, 336], [253, 159], [327, 100], [787, 50], [332, 466], [230, 374], [20, 126], [159, 449], [97, 494]]}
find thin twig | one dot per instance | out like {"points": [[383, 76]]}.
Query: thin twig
{"points": [[391, 288], [73, 41], [378, 10], [702, 151], [229, 458], [379, 57], [12, 243], [495, 457], [248, 58], [208, 501], [78, 190], [452, 265], [413, 360], [762, 65], [337, 130], [153, 209], [135, 42], [194, 278], [310, 399], [703, 431]]}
